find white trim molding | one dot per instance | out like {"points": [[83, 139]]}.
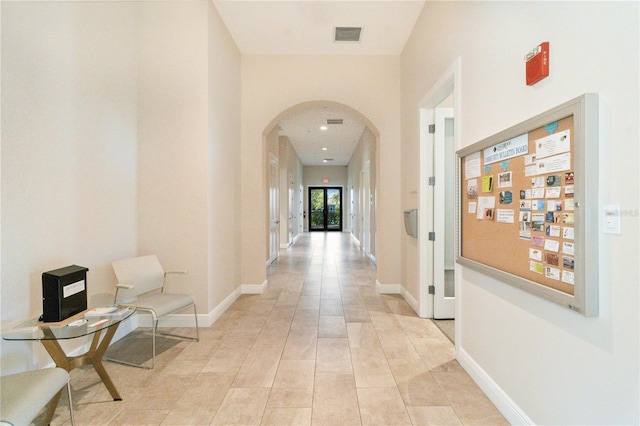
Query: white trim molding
{"points": [[254, 288], [388, 288], [509, 409]]}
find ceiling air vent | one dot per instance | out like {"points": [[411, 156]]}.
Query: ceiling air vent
{"points": [[335, 121], [347, 34]]}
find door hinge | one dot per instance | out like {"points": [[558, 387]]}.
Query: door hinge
{"points": [[432, 181], [432, 289], [432, 236], [432, 128]]}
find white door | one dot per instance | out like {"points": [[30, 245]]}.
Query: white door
{"points": [[274, 214], [444, 214]]}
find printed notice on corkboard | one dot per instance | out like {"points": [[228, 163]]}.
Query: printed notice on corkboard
{"points": [[527, 197]]}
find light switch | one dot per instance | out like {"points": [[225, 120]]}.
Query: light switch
{"points": [[612, 219]]}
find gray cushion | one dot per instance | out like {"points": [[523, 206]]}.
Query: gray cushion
{"points": [[23, 395]]}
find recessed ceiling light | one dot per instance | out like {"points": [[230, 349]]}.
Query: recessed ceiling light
{"points": [[323, 127], [324, 161], [324, 149]]}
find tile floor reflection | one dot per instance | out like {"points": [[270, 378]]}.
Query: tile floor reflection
{"points": [[319, 347]]}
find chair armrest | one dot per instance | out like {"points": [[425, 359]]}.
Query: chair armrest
{"points": [[126, 286], [118, 287], [176, 272]]}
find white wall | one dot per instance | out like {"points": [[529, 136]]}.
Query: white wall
{"points": [[551, 365], [68, 150], [271, 85]]}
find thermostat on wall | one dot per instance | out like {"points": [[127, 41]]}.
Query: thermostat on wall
{"points": [[537, 63]]}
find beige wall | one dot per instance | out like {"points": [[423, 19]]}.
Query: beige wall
{"points": [[69, 161], [291, 179], [540, 362], [172, 139], [120, 135], [363, 156], [223, 208], [272, 85]]}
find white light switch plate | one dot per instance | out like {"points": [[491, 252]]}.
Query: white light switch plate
{"points": [[611, 215]]}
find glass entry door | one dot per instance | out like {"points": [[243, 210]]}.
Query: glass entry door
{"points": [[325, 205]]}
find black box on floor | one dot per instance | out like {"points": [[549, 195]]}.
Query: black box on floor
{"points": [[64, 293]]}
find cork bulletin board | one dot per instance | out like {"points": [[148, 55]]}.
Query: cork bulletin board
{"points": [[528, 210]]}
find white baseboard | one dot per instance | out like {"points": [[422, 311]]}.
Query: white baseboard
{"points": [[355, 239], [500, 399], [410, 300], [254, 288], [372, 257], [285, 246], [388, 288]]}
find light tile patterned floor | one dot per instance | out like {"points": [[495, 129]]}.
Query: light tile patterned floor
{"points": [[319, 347]]}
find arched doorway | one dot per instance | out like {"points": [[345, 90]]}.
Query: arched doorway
{"points": [[322, 144]]}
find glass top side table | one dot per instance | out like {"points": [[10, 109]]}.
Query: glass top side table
{"points": [[91, 322]]}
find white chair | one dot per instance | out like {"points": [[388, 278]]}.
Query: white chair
{"points": [[23, 395], [141, 282]]}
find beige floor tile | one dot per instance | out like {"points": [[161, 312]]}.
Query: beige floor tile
{"points": [[433, 416], [466, 398], [382, 406], [333, 356], [198, 417], [396, 345], [416, 384], [305, 319], [309, 303], [140, 417], [301, 344], [287, 416], [295, 374], [372, 372], [290, 397], [330, 307], [356, 313], [242, 407], [332, 327], [335, 401]]}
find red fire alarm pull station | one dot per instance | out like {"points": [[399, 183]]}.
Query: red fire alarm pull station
{"points": [[537, 63]]}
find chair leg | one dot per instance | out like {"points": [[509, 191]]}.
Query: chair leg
{"points": [[155, 328], [70, 402], [195, 316]]}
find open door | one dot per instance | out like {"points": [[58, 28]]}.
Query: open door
{"points": [[444, 214]]}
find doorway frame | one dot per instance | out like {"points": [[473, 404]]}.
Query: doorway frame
{"points": [[325, 188], [448, 84]]}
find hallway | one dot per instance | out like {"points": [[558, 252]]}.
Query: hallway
{"points": [[320, 347]]}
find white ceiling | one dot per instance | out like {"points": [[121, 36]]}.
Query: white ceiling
{"points": [[308, 139], [306, 27], [301, 27]]}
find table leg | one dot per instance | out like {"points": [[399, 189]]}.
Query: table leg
{"points": [[96, 353], [93, 357]]}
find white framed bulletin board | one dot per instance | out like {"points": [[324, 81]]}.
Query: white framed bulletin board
{"points": [[528, 205]]}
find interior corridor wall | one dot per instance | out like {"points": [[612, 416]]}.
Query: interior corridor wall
{"points": [[272, 84], [541, 362], [173, 139], [69, 158], [290, 178], [363, 156], [223, 186]]}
